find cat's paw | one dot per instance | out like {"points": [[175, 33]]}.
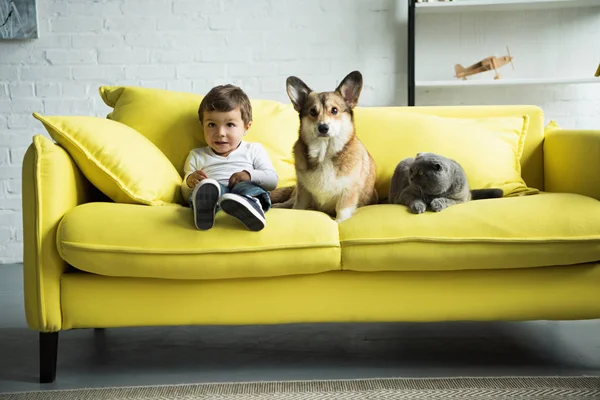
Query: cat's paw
{"points": [[438, 205], [417, 207]]}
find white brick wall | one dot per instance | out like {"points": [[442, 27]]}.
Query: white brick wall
{"points": [[192, 45]]}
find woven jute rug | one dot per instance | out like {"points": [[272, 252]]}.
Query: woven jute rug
{"points": [[397, 388]]}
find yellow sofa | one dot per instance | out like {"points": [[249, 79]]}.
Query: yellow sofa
{"points": [[92, 262]]}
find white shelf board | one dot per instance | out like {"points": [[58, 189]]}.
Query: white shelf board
{"points": [[499, 5], [505, 82]]}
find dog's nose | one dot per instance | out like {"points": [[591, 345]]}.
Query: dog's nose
{"points": [[323, 128]]}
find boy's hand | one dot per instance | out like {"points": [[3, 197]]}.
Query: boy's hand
{"points": [[238, 177], [195, 178]]}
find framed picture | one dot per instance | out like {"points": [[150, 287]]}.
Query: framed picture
{"points": [[18, 19]]}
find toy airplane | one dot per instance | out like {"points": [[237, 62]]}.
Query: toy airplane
{"points": [[487, 64]]}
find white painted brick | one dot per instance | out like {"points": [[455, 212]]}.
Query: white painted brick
{"points": [[172, 56], [181, 24], [12, 253], [147, 7], [22, 56], [8, 73], [18, 235], [60, 57], [4, 155], [155, 84], [9, 218], [202, 7], [200, 71], [105, 8], [283, 53], [106, 73], [74, 89], [3, 122], [272, 85], [310, 67], [261, 7], [21, 121], [73, 24], [182, 40], [53, 41], [131, 24], [103, 41], [256, 70], [68, 106], [222, 23], [20, 137], [150, 40], [52, 8], [150, 72], [251, 39], [21, 105], [47, 89], [17, 154], [10, 172], [180, 85], [260, 23], [51, 73], [5, 235], [13, 186], [123, 56], [3, 90], [21, 89], [222, 54]]}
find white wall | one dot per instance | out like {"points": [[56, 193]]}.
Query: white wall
{"points": [[544, 43], [191, 45]]}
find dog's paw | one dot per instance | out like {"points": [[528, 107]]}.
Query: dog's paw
{"points": [[438, 205], [417, 207], [344, 214]]}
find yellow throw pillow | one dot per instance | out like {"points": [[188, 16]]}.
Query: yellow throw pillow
{"points": [[119, 161], [489, 149], [169, 119]]}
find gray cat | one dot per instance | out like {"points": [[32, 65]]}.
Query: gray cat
{"points": [[435, 182]]}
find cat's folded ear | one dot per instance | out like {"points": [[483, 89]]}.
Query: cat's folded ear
{"points": [[437, 166]]}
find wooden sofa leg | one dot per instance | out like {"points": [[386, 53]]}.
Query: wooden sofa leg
{"points": [[48, 353]]}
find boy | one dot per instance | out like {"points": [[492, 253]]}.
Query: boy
{"points": [[228, 173]]}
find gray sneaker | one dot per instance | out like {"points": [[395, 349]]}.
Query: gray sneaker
{"points": [[204, 203], [247, 210]]}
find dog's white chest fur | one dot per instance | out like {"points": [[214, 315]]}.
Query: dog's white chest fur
{"points": [[323, 181]]}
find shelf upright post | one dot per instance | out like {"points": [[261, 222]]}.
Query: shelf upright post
{"points": [[411, 52]]}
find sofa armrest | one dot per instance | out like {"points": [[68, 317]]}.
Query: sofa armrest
{"points": [[52, 185], [572, 161]]}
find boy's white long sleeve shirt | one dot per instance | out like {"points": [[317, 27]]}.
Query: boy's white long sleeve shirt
{"points": [[249, 156]]}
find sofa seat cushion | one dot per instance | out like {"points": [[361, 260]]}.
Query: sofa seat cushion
{"points": [[161, 242], [519, 232]]}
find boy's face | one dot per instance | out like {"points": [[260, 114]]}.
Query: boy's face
{"points": [[223, 131]]}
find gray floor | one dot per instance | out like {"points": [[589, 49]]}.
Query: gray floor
{"points": [[146, 356]]}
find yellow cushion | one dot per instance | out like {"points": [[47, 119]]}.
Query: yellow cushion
{"points": [[119, 161], [169, 119], [489, 149], [162, 242], [517, 232]]}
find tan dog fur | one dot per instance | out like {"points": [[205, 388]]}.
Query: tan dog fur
{"points": [[335, 172]]}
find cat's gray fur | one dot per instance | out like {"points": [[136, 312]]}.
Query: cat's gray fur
{"points": [[433, 181]]}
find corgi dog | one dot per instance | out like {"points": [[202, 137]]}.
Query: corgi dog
{"points": [[334, 171]]}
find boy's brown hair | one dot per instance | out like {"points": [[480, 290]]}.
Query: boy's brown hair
{"points": [[225, 98]]}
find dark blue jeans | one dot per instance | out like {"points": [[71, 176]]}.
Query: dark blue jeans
{"points": [[248, 189]]}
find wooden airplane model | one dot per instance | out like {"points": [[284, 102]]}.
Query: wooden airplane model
{"points": [[487, 64]]}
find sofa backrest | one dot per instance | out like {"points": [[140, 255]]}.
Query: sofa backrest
{"points": [[377, 124], [169, 119]]}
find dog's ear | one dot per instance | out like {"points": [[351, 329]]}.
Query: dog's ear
{"points": [[350, 88], [297, 92]]}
